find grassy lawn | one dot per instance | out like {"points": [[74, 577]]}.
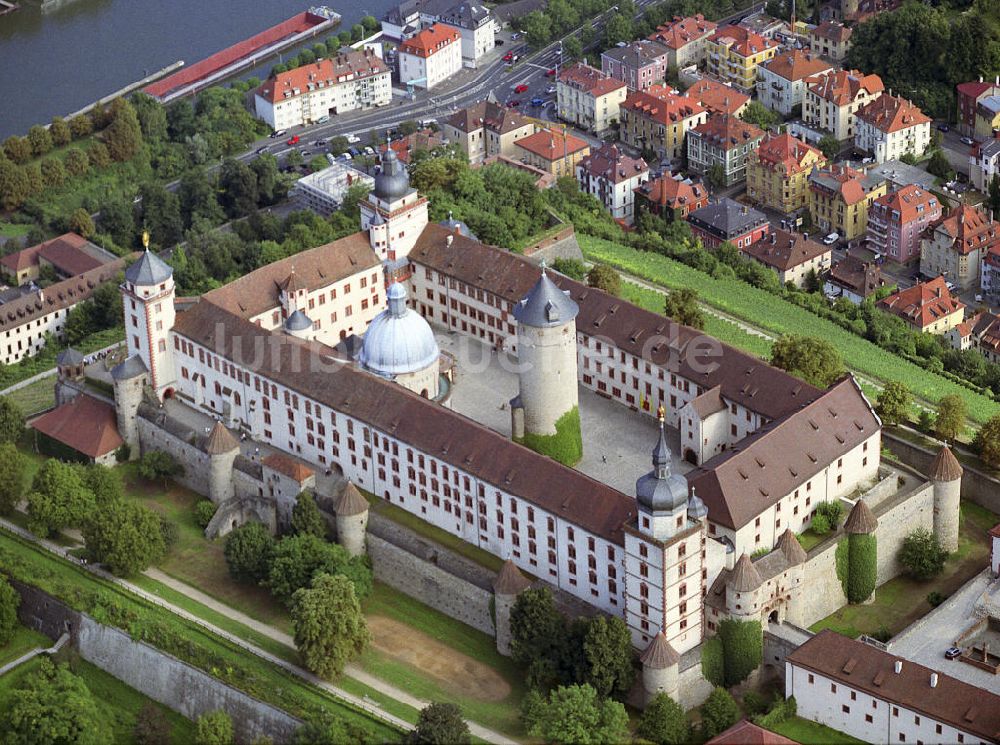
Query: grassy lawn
{"points": [[13, 230], [812, 733], [809, 540], [38, 396], [901, 601], [24, 640]]}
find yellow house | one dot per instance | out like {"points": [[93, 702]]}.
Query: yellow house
{"points": [[552, 152], [987, 117], [734, 53], [778, 172], [839, 198]]}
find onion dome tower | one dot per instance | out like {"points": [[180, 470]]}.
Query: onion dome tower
{"points": [[661, 494], [394, 215]]}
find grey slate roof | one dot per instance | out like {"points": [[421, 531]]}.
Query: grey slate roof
{"points": [[452, 224], [150, 269], [660, 490], [727, 218], [392, 181], [465, 15], [546, 305], [133, 367], [69, 356], [298, 321]]}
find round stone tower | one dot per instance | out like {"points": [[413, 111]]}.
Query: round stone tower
{"points": [[546, 344], [222, 449], [70, 369], [508, 585], [352, 520], [796, 557], [130, 378], [660, 669], [741, 588], [946, 475]]}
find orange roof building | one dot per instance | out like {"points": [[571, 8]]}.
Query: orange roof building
{"points": [[792, 256], [431, 56], [781, 85], [718, 98], [746, 732], [927, 306], [554, 152], [68, 255], [897, 220], [671, 197], [840, 197], [958, 244], [726, 141], [658, 119], [685, 39], [890, 127], [588, 98], [735, 52], [778, 172], [831, 40], [832, 99], [85, 425]]}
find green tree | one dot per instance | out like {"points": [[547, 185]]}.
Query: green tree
{"points": [[98, 154], [719, 712], [271, 188], [663, 722], [939, 166], [60, 132], [537, 635], [124, 135], [573, 268], [440, 724], [716, 176], [9, 602], [104, 483], [370, 23], [197, 197], [18, 149], [814, 360], [161, 214], [80, 126], [994, 195], [53, 706], [742, 648], [125, 536], [408, 127], [950, 420], [909, 158], [607, 648], [53, 172], [986, 443], [14, 185], [118, 220], [157, 465], [682, 305], [306, 518], [357, 32], [40, 140], [58, 499], [574, 714], [11, 420], [329, 627], [248, 552], [537, 29], [862, 566], [605, 278], [13, 476], [829, 146], [894, 402], [572, 49], [238, 188], [151, 726], [214, 728], [299, 558], [759, 115], [618, 29], [338, 145], [922, 554], [77, 163], [81, 223]]}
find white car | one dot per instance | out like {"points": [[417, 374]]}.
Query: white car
{"points": [[550, 90], [831, 239], [323, 119], [352, 139]]}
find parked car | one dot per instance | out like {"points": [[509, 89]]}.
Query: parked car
{"points": [[509, 57], [351, 139], [537, 101], [831, 239], [499, 42], [293, 140], [952, 652], [521, 88], [279, 133], [515, 36], [369, 151], [550, 90], [323, 119], [550, 73], [968, 141]]}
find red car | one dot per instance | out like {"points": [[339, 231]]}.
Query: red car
{"points": [[550, 73], [520, 88], [509, 57], [515, 102], [293, 140]]}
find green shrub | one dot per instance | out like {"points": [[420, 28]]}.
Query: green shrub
{"points": [[935, 598], [922, 554], [862, 567], [742, 648], [754, 703], [842, 564], [712, 666], [881, 634], [781, 711], [833, 510], [204, 511], [820, 524], [565, 446]]}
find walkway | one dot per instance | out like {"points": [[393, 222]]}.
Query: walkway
{"points": [[34, 653], [50, 372]]}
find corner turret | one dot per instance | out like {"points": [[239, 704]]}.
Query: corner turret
{"points": [[946, 475]]}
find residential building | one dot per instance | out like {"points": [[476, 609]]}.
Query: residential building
{"points": [[984, 163], [832, 100], [353, 79], [778, 172], [659, 119], [323, 191], [875, 696], [890, 127], [987, 117], [63, 257], [897, 220], [968, 97], [927, 306], [956, 244], [611, 176], [477, 26], [853, 279], [831, 40], [430, 57], [734, 54], [685, 39], [898, 174], [671, 196], [638, 64], [486, 129], [724, 141], [718, 98], [989, 279], [840, 197], [792, 256], [781, 81], [553, 152], [980, 332], [407, 145], [766, 26], [728, 221], [588, 98]]}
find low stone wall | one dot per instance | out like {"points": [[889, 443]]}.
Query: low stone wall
{"points": [[155, 435], [562, 245], [692, 689], [43, 613], [884, 488]]}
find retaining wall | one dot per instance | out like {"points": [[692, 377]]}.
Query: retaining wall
{"points": [[196, 463]]}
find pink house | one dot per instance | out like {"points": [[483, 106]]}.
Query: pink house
{"points": [[896, 220]]}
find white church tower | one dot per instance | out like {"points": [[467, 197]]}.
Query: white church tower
{"points": [[148, 299]]}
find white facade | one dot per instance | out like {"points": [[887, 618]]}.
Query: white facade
{"points": [[891, 145], [618, 197], [28, 339], [149, 317], [779, 93], [427, 65], [324, 191]]}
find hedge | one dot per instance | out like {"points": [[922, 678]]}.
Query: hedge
{"points": [[778, 316], [711, 661], [565, 446], [840, 559], [862, 566], [742, 648]]}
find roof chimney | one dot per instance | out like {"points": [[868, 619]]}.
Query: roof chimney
{"points": [[449, 239], [934, 679], [899, 667]]}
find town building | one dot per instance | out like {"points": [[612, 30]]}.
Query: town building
{"points": [[430, 57], [980, 332], [875, 696], [853, 279], [718, 98], [474, 21], [898, 174], [486, 129], [734, 54], [588, 98], [323, 191], [612, 177], [840, 197], [968, 97], [927, 306], [58, 258], [638, 64], [778, 172], [989, 279], [781, 82], [84, 425], [728, 221], [794, 257], [956, 244], [350, 80], [890, 127], [685, 39], [984, 163], [832, 100], [897, 220], [553, 152], [987, 117], [831, 40], [671, 196], [407, 145], [723, 141], [658, 119]]}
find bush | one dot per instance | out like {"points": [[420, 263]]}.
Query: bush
{"points": [[833, 510], [754, 703], [935, 598], [922, 554], [862, 567], [663, 722], [881, 634], [565, 446], [248, 552], [742, 648], [718, 713], [780, 712], [712, 666], [204, 511], [820, 524]]}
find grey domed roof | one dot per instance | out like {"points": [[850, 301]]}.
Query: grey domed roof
{"points": [[298, 321], [696, 507], [546, 305], [150, 269], [398, 340], [392, 181], [452, 224], [660, 490]]}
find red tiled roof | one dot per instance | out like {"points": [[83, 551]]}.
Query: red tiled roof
{"points": [[743, 41], [717, 97], [683, 31], [923, 304], [846, 181], [910, 203], [835, 32], [489, 114], [610, 163], [746, 732], [287, 465], [841, 87], [425, 139], [583, 77], [786, 152], [973, 89], [668, 191], [324, 73], [728, 131], [784, 250], [430, 41], [970, 228], [891, 114], [65, 253], [661, 105], [85, 424], [796, 65], [551, 145]]}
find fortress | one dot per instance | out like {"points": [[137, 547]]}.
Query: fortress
{"points": [[328, 361]]}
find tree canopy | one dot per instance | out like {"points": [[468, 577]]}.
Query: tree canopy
{"points": [[950, 420], [58, 499], [13, 476], [126, 536], [719, 712], [604, 277], [9, 603], [987, 444], [575, 715], [682, 305], [922, 554], [248, 552], [214, 728], [11, 420], [663, 722], [440, 724], [894, 402], [814, 360], [329, 626], [297, 559], [306, 518]]}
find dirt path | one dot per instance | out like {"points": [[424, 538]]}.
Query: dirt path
{"points": [[455, 671]]}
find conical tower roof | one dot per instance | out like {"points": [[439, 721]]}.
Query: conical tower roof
{"points": [[861, 520], [546, 305], [745, 577], [150, 269], [510, 581], [351, 502], [791, 548], [220, 441], [659, 654], [945, 466]]}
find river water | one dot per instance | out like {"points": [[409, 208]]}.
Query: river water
{"points": [[58, 58]]}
